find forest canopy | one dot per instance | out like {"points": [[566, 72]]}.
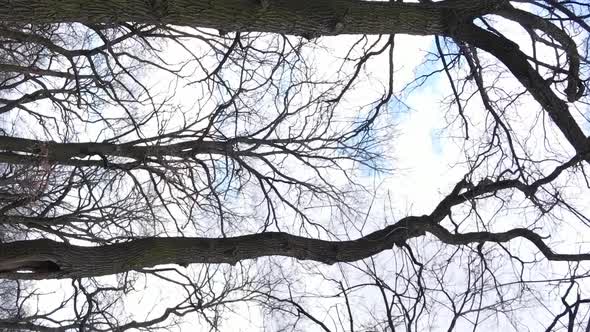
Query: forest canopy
{"points": [[335, 165]]}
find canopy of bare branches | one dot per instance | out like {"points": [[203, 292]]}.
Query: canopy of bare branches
{"points": [[245, 158]]}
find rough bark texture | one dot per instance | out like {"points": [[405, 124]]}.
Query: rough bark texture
{"points": [[300, 17], [46, 259], [77, 261]]}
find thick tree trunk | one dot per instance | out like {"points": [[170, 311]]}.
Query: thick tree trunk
{"points": [[299, 17], [46, 259]]}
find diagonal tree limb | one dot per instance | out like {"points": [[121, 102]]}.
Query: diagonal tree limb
{"points": [[516, 61]]}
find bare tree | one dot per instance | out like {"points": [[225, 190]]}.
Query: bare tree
{"points": [[159, 140]]}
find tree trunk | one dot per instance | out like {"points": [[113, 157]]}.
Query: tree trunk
{"points": [[46, 259], [298, 17]]}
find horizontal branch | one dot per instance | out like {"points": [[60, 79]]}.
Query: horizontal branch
{"points": [[18, 150], [479, 237], [50, 259], [10, 68], [47, 259], [17, 325], [46, 221]]}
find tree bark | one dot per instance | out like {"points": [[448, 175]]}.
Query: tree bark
{"points": [[20, 259], [299, 17], [47, 259]]}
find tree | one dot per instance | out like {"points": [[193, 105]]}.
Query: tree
{"points": [[152, 139]]}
